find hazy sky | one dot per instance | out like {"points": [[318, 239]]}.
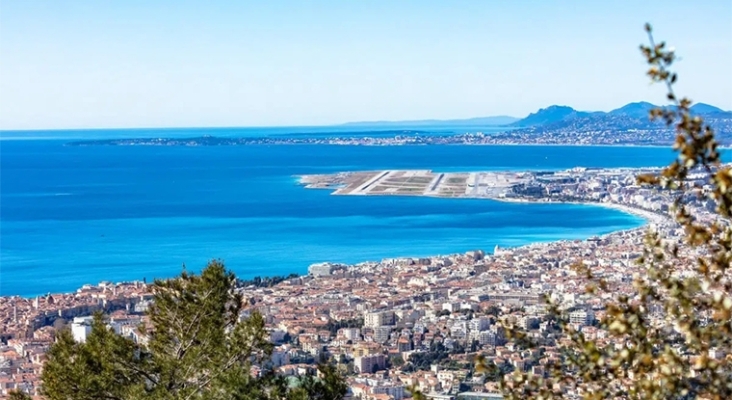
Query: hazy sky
{"points": [[96, 64]]}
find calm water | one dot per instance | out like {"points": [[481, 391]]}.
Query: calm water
{"points": [[75, 215], [305, 131]]}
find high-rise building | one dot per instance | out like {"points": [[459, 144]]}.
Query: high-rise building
{"points": [[322, 269], [479, 324], [382, 333], [350, 333], [581, 317], [370, 363], [376, 319]]}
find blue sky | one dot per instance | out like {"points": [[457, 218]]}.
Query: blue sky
{"points": [[98, 64]]}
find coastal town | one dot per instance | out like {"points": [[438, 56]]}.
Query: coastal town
{"points": [[600, 135], [403, 323], [555, 125]]}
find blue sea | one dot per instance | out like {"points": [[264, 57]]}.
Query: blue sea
{"points": [[74, 215]]}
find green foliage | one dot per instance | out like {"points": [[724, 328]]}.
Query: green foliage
{"points": [[333, 326], [16, 395], [267, 281], [302, 357], [423, 360], [328, 386], [199, 348], [416, 393], [396, 361], [197, 341], [493, 310], [494, 372], [106, 366], [665, 356]]}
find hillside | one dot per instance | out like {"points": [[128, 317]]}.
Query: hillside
{"points": [[632, 116], [549, 115]]}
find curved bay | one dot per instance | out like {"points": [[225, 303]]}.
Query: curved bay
{"points": [[75, 215]]}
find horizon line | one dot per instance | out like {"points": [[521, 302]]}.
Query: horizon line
{"points": [[332, 125]]}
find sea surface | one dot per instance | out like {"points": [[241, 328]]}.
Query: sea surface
{"points": [[291, 132], [74, 215]]}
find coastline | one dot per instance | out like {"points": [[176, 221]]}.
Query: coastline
{"points": [[110, 241], [648, 216], [143, 142]]}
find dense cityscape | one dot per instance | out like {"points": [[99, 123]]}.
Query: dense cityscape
{"points": [[402, 322]]}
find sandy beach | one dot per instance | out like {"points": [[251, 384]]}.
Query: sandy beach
{"points": [[649, 216]]}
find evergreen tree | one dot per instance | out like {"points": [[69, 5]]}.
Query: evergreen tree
{"points": [[105, 366], [18, 395], [199, 348], [329, 385]]}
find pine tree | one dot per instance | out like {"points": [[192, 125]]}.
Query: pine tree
{"points": [[105, 366], [18, 395], [199, 347]]}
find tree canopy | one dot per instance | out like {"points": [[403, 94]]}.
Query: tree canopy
{"points": [[199, 345]]}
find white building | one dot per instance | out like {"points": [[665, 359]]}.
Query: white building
{"points": [[581, 317], [280, 357], [323, 269], [277, 335], [458, 332], [452, 307], [81, 328], [370, 363], [487, 338], [480, 324], [351, 333], [382, 333], [376, 319], [395, 390]]}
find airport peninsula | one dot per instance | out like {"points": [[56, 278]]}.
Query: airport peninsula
{"points": [[615, 188]]}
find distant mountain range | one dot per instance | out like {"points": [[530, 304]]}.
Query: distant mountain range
{"points": [[630, 124], [627, 115], [500, 120], [630, 113]]}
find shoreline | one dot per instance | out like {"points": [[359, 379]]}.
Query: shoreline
{"points": [[649, 218], [495, 186], [346, 143]]}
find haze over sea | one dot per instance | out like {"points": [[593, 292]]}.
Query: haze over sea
{"points": [[74, 215]]}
